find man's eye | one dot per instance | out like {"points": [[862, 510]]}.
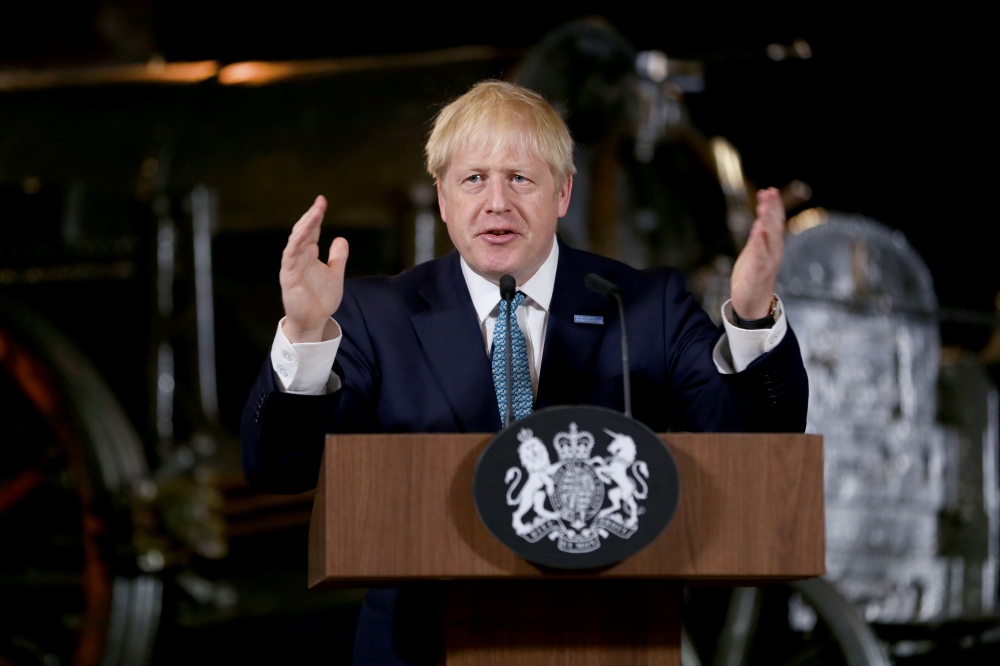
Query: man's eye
{"points": [[475, 179], [518, 178]]}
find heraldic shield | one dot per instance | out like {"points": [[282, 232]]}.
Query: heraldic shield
{"points": [[576, 487]]}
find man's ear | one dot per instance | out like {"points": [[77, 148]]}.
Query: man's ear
{"points": [[564, 194], [441, 206]]}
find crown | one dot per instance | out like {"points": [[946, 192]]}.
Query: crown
{"points": [[525, 435], [573, 445]]}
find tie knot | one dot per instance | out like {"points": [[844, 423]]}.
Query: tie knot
{"points": [[515, 304]]}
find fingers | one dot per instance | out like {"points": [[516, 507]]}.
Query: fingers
{"points": [[770, 222], [770, 208], [309, 217], [306, 230]]}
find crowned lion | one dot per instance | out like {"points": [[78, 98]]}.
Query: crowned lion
{"points": [[535, 459]]}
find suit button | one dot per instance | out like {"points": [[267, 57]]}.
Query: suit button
{"points": [[286, 356], [282, 371]]}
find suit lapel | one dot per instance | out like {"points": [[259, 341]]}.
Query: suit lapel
{"points": [[453, 343], [571, 349]]}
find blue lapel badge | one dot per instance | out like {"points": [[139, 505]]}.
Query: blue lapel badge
{"points": [[588, 319]]}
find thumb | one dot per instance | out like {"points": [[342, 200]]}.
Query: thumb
{"points": [[757, 236], [337, 260]]}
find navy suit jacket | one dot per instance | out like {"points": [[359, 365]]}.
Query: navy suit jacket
{"points": [[412, 359]]}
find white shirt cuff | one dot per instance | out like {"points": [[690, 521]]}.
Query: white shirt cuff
{"points": [[739, 347], [306, 368]]}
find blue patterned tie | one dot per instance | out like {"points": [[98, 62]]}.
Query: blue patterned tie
{"points": [[520, 375]]}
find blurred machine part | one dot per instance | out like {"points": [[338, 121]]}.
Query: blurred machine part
{"points": [[911, 481], [647, 189], [803, 622], [971, 521], [71, 460], [739, 203]]}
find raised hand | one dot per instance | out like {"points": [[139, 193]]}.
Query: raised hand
{"points": [[756, 268], [310, 290]]}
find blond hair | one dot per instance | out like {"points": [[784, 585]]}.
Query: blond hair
{"points": [[501, 117]]}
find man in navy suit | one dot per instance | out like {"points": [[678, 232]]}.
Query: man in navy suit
{"points": [[412, 353]]}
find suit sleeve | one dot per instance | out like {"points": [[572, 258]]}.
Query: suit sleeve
{"points": [[282, 434], [770, 395]]}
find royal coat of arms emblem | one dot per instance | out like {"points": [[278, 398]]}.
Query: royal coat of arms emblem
{"points": [[565, 501], [576, 487]]}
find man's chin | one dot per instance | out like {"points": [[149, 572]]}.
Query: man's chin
{"points": [[495, 262]]}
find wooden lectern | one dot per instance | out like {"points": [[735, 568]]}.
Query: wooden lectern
{"points": [[392, 509]]}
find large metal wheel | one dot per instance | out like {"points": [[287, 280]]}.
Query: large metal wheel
{"points": [[69, 458], [805, 623]]}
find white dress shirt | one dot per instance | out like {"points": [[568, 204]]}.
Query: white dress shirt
{"points": [[532, 314], [306, 368]]}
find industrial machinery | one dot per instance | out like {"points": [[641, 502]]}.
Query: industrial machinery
{"points": [[910, 432]]}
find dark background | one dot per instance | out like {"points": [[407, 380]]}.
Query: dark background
{"points": [[889, 118]]}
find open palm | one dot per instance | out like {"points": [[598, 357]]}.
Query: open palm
{"points": [[311, 290], [756, 268]]}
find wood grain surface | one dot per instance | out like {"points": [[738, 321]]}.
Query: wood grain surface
{"points": [[399, 507]]}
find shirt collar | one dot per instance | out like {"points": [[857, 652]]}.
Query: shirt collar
{"points": [[486, 296]]}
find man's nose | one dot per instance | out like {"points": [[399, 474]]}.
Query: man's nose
{"points": [[497, 200]]}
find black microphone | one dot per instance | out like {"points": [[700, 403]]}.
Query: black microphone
{"points": [[608, 289], [508, 287]]}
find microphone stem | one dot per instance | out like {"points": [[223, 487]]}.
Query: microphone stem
{"points": [[508, 363], [625, 364]]}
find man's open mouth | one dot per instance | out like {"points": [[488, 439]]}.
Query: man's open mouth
{"points": [[498, 236]]}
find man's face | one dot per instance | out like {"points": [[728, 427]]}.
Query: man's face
{"points": [[501, 211]]}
